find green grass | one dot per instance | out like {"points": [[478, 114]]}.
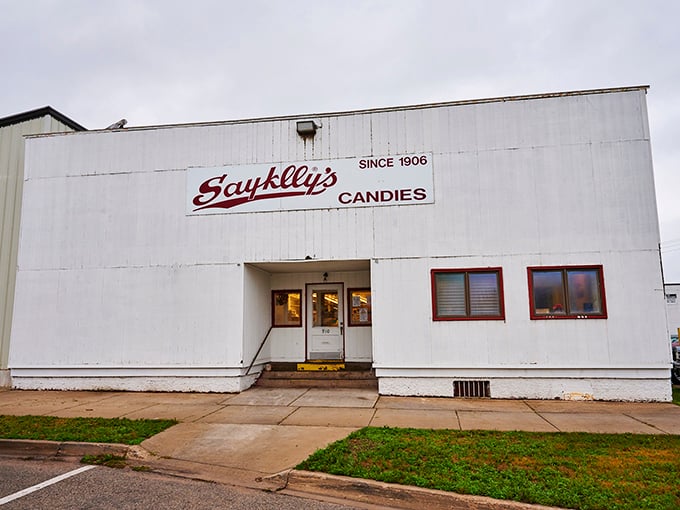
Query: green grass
{"points": [[89, 430], [676, 395], [574, 470]]}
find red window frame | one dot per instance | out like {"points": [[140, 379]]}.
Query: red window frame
{"points": [[350, 321], [468, 317], [567, 313], [298, 324]]}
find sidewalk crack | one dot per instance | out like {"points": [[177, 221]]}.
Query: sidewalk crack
{"points": [[645, 423]]}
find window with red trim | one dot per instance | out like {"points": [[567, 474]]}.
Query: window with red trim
{"points": [[567, 292], [286, 308], [467, 294], [360, 307]]}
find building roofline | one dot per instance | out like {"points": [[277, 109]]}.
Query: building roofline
{"points": [[41, 112], [372, 110], [386, 109]]}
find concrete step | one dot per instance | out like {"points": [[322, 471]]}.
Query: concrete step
{"points": [[282, 375], [365, 384]]}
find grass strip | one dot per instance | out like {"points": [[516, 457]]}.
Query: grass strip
{"points": [[572, 470], [89, 430]]}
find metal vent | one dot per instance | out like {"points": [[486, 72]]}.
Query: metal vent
{"points": [[471, 389]]}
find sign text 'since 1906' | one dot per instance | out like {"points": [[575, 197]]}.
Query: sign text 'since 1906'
{"points": [[320, 184]]}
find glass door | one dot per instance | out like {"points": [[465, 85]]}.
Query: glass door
{"points": [[325, 326]]}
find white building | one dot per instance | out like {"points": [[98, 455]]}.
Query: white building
{"points": [[12, 131], [512, 242]]}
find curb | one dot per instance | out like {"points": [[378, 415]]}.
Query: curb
{"points": [[401, 496], [31, 449]]}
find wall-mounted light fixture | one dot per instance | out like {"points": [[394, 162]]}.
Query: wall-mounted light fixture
{"points": [[307, 128], [325, 277]]}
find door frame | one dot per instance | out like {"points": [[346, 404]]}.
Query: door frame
{"points": [[341, 316]]}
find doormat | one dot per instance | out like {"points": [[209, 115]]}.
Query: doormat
{"points": [[320, 367]]}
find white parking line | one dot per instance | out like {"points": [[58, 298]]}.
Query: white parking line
{"points": [[42, 485]]}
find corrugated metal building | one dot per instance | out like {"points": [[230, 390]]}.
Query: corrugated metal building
{"points": [[509, 243], [13, 129]]}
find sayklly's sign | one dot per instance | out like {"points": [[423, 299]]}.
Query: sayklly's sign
{"points": [[352, 182]]}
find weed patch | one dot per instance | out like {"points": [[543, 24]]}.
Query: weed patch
{"points": [[108, 460]]}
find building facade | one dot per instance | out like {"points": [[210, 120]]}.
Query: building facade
{"points": [[508, 243], [13, 129]]}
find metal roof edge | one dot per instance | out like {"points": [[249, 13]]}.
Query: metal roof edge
{"points": [[464, 102], [41, 112]]}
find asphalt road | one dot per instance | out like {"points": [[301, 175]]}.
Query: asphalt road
{"points": [[109, 488]]}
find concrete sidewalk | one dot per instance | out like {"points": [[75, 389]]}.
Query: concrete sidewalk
{"points": [[249, 438]]}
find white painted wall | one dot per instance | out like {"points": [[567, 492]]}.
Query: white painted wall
{"points": [[11, 188], [630, 337], [533, 181], [257, 316], [548, 174], [672, 308], [178, 316]]}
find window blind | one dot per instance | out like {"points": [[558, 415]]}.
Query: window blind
{"points": [[484, 299], [450, 290]]}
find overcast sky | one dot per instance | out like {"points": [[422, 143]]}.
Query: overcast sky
{"points": [[166, 62]]}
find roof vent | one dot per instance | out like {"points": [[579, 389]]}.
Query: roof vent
{"points": [[118, 125]]}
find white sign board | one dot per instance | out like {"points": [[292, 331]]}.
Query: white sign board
{"points": [[353, 182]]}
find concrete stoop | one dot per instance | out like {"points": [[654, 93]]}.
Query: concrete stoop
{"points": [[287, 375]]}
